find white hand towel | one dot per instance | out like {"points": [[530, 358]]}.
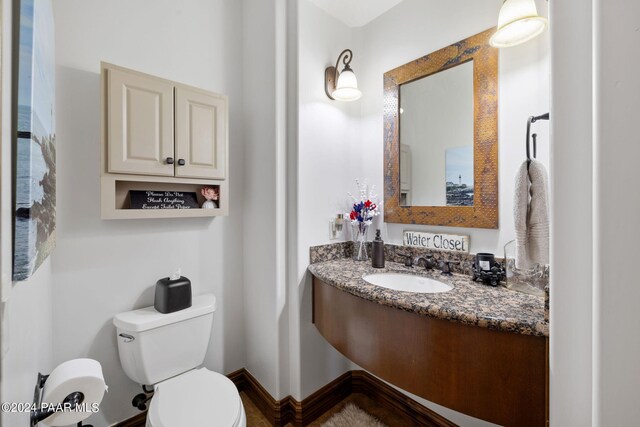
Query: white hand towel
{"points": [[531, 215]]}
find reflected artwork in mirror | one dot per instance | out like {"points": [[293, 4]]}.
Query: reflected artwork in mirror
{"points": [[459, 176], [441, 137]]}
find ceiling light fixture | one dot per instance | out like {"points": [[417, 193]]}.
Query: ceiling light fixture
{"points": [[518, 22]]}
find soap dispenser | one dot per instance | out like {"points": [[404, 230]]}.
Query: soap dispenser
{"points": [[377, 256]]}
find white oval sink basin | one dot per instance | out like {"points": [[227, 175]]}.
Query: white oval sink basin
{"points": [[407, 283]]}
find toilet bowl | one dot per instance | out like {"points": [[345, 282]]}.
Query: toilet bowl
{"points": [[166, 351], [196, 398]]}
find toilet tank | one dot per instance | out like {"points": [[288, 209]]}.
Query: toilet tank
{"points": [[155, 346]]}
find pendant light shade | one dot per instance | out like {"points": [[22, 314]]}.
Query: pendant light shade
{"points": [[518, 22]]}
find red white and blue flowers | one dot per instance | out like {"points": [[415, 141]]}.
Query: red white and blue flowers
{"points": [[366, 207]]}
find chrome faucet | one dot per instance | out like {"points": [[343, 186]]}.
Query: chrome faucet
{"points": [[429, 263]]}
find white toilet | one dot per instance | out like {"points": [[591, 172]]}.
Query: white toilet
{"points": [[164, 350]]}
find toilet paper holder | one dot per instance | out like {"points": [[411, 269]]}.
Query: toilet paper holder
{"points": [[71, 401]]}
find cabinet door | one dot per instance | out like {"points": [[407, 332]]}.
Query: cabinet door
{"points": [[140, 124], [201, 134]]}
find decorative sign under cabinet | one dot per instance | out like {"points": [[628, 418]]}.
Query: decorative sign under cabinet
{"points": [[439, 241], [163, 200]]}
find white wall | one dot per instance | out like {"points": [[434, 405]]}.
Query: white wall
{"points": [[6, 208], [594, 329], [616, 221], [261, 338], [571, 215], [27, 340], [100, 267], [327, 166]]}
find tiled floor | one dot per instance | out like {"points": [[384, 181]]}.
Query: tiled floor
{"points": [[256, 419], [254, 416]]}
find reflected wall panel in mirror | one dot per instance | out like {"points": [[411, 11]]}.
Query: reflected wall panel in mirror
{"points": [[441, 137], [436, 119]]}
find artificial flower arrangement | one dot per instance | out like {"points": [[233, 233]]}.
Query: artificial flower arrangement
{"points": [[365, 208], [211, 195]]}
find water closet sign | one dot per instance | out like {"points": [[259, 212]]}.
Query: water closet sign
{"points": [[439, 241]]}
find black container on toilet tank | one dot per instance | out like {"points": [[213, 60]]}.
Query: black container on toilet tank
{"points": [[172, 293]]}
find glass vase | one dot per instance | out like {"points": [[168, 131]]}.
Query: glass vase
{"points": [[359, 234], [531, 281]]}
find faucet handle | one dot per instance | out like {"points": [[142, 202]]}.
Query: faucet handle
{"points": [[446, 266], [429, 263], [408, 259]]}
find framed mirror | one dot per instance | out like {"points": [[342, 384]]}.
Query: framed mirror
{"points": [[441, 137]]}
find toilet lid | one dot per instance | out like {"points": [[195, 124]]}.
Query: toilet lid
{"points": [[195, 398]]}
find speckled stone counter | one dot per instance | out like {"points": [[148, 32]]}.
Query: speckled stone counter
{"points": [[468, 302]]}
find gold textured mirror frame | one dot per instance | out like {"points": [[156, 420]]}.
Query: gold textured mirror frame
{"points": [[484, 212]]}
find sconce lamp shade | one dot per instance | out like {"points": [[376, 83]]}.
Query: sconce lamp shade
{"points": [[347, 87], [342, 86], [518, 22]]}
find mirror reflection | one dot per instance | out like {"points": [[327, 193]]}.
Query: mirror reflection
{"points": [[436, 139]]}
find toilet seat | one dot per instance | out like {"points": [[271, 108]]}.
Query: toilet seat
{"points": [[196, 398]]}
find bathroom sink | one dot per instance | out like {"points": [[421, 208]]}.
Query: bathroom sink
{"points": [[407, 283]]}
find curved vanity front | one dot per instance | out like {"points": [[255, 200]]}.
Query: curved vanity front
{"points": [[475, 349]]}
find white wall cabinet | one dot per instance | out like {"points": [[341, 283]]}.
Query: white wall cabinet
{"points": [[159, 134], [201, 134], [140, 117]]}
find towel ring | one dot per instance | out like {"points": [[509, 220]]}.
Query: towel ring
{"points": [[531, 120]]}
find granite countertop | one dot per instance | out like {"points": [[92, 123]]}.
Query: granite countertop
{"points": [[468, 302]]}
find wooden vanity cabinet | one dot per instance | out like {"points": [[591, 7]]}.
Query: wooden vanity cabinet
{"points": [[496, 376]]}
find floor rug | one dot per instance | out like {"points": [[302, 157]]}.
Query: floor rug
{"points": [[352, 416]]}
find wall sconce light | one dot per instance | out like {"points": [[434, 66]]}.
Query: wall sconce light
{"points": [[342, 86], [518, 22]]}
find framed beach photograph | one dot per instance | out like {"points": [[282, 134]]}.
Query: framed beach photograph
{"points": [[34, 145]]}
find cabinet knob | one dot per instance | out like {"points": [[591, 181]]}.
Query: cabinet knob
{"points": [[181, 162], [169, 160]]}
